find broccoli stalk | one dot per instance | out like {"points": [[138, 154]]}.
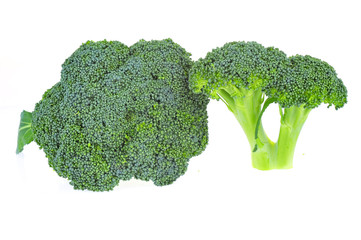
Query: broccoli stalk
{"points": [[246, 107], [292, 122], [279, 155]]}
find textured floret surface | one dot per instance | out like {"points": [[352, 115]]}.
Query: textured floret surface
{"points": [[121, 112]]}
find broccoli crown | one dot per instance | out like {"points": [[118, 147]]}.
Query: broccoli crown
{"points": [[294, 81], [246, 65], [308, 82], [122, 112]]}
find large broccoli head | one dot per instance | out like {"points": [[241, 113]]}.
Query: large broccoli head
{"points": [[122, 112]]}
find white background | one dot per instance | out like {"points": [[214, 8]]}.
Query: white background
{"points": [[221, 196]]}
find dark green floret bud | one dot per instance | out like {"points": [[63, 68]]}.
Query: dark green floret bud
{"points": [[308, 82]]}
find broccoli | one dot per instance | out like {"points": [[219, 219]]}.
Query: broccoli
{"points": [[248, 77], [119, 113]]}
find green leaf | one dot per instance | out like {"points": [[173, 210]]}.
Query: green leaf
{"points": [[25, 134]]}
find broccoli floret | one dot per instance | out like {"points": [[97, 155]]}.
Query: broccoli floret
{"points": [[237, 73], [121, 112], [248, 77], [308, 83]]}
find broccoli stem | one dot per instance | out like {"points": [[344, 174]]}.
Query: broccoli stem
{"points": [[280, 155], [246, 107], [291, 124], [247, 110]]}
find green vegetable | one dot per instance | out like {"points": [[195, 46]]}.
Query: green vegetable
{"points": [[26, 135], [244, 74], [121, 112]]}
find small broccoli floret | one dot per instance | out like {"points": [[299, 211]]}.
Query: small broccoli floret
{"points": [[121, 112], [308, 83], [243, 75], [237, 73], [92, 61]]}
